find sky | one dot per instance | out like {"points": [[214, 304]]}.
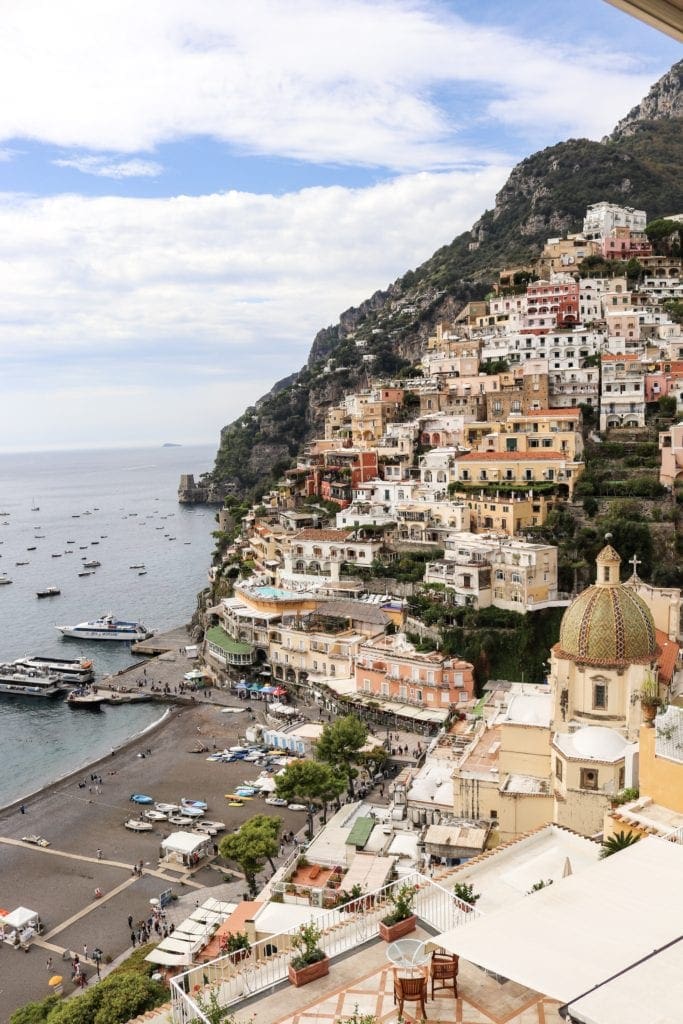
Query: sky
{"points": [[190, 191]]}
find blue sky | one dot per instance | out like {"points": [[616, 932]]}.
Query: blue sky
{"points": [[189, 192]]}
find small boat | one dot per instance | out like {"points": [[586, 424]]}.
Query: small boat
{"points": [[4, 581], [32, 548], [48, 592], [199, 805], [275, 801], [137, 825], [68, 552], [71, 542], [167, 808], [39, 536], [94, 542], [84, 697], [181, 819], [34, 507], [35, 840], [296, 807], [21, 563], [75, 517], [140, 565], [140, 798], [92, 564], [143, 573], [155, 816], [205, 829], [58, 555], [86, 574], [235, 803], [219, 826], [82, 547]]}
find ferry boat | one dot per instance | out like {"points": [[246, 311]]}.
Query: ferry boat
{"points": [[67, 670], [18, 682], [106, 628]]}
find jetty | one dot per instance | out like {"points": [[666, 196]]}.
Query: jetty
{"points": [[162, 643]]}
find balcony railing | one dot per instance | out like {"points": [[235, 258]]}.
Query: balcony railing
{"points": [[237, 976]]}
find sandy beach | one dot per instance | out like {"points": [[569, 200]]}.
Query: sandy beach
{"points": [[59, 882]]}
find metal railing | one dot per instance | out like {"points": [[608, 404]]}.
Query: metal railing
{"points": [[237, 976]]}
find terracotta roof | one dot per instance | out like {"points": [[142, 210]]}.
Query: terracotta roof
{"points": [[338, 535], [668, 658], [512, 457]]}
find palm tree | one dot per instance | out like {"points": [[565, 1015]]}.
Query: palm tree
{"points": [[619, 841]]}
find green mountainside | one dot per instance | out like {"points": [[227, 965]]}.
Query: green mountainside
{"points": [[546, 194]]}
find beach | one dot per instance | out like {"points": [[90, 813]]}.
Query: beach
{"points": [[77, 820]]}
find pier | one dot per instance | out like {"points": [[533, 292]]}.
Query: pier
{"points": [[163, 643]]}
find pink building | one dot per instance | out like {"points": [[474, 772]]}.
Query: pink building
{"points": [[666, 379], [389, 667], [551, 304]]}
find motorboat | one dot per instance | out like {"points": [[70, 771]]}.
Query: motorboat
{"points": [[187, 804], [84, 697], [167, 808], [21, 563], [92, 564], [140, 565], [297, 807], [183, 820], [32, 548], [4, 581], [275, 801], [86, 573], [138, 825], [48, 592], [19, 681], [205, 828], [219, 826], [35, 840], [106, 628], [67, 670], [192, 812], [155, 816], [57, 555], [141, 798]]}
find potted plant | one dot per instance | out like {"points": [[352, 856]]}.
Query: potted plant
{"points": [[649, 699], [237, 943], [401, 920], [466, 894], [311, 962]]}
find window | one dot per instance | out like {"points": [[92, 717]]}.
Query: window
{"points": [[589, 778], [599, 696], [558, 769]]}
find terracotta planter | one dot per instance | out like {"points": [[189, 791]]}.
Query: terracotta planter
{"points": [[302, 976], [649, 712], [391, 932]]}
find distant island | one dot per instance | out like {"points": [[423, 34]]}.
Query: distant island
{"points": [[170, 444]]}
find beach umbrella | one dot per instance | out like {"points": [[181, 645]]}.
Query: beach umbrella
{"points": [[241, 686], [279, 691], [56, 979]]}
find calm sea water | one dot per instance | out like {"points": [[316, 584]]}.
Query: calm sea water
{"points": [[118, 507]]}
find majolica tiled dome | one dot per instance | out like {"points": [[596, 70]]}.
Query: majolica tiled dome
{"points": [[607, 624]]}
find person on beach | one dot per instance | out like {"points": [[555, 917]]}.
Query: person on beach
{"points": [[48, 964], [130, 920], [133, 939], [99, 854], [23, 809]]}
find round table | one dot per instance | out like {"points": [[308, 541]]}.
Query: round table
{"points": [[408, 954]]}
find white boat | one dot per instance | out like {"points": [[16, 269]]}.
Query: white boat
{"points": [[137, 825], [181, 819], [106, 628], [219, 826], [67, 670], [4, 581], [167, 808], [92, 564], [22, 682], [205, 829], [190, 805], [156, 816]]}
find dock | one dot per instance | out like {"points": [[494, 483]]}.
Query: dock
{"points": [[162, 643]]}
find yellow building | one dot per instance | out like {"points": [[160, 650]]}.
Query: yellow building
{"points": [[518, 468], [505, 514]]}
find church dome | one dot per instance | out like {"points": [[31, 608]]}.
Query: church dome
{"points": [[607, 624]]}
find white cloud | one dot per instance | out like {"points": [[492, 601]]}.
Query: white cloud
{"points": [[110, 167], [7, 154], [190, 307], [351, 82]]}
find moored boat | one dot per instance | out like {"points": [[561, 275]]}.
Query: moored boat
{"points": [[48, 592], [92, 564], [137, 825], [67, 670], [106, 628], [21, 682]]}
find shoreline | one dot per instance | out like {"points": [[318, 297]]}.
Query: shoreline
{"points": [[45, 790]]}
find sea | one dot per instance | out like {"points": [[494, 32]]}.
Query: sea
{"points": [[57, 510]]}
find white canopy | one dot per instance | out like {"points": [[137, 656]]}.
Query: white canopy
{"points": [[167, 958], [204, 916], [569, 937], [218, 906], [184, 843], [20, 918]]}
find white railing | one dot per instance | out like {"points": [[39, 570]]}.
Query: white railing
{"points": [[675, 836], [238, 976]]}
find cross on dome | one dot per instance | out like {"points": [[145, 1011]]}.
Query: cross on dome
{"points": [[635, 562]]}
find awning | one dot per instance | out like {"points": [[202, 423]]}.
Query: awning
{"points": [[268, 689], [367, 871], [241, 686], [595, 923], [169, 958]]}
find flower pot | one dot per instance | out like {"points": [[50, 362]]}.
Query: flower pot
{"points": [[391, 932], [302, 975], [649, 712]]}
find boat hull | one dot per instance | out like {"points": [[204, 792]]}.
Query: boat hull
{"points": [[78, 633]]}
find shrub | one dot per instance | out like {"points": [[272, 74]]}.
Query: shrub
{"points": [[465, 892]]}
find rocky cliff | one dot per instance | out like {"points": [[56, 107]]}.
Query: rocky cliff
{"points": [[546, 194]]}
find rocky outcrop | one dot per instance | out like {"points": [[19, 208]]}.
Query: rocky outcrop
{"points": [[663, 102]]}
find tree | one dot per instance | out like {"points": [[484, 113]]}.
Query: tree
{"points": [[340, 744], [309, 782], [34, 1013], [619, 841], [256, 842]]}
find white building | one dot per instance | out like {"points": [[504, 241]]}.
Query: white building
{"points": [[602, 219], [622, 398]]}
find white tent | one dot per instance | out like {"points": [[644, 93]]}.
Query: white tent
{"points": [[169, 958], [570, 936], [21, 918], [184, 845]]}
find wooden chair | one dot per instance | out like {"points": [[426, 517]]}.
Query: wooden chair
{"points": [[410, 990], [444, 969]]}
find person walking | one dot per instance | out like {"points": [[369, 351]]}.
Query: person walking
{"points": [[99, 854], [48, 964], [85, 951], [130, 920], [133, 939], [23, 809]]}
